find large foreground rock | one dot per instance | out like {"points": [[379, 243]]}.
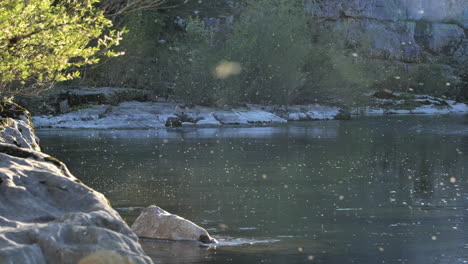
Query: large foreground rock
{"points": [[47, 215], [156, 223]]}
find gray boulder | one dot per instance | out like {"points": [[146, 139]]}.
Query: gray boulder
{"points": [[16, 126], [46, 214], [156, 223], [19, 133]]}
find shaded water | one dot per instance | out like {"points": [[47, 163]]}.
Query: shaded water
{"points": [[369, 190]]}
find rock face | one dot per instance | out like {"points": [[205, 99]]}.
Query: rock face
{"points": [[156, 223], [47, 215], [410, 32]]}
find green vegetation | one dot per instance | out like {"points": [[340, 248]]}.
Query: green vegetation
{"points": [[280, 62], [283, 59], [142, 64], [44, 41], [433, 79], [271, 41], [338, 70], [256, 51]]}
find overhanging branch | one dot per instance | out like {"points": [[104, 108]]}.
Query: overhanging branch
{"points": [[114, 8]]}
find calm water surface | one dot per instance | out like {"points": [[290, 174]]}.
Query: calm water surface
{"points": [[369, 190]]}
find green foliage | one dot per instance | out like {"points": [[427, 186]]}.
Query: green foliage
{"points": [[283, 58], [147, 61], [44, 41], [432, 79], [338, 71], [195, 56], [269, 40]]}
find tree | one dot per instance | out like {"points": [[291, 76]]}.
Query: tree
{"points": [[123, 7], [44, 41]]}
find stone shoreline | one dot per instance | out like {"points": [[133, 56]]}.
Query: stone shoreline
{"points": [[156, 115]]}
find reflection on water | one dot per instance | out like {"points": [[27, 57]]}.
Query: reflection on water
{"points": [[105, 257], [369, 190]]}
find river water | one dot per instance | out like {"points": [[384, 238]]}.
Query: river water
{"points": [[368, 190]]}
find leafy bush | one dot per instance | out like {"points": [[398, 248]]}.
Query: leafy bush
{"points": [[41, 40], [143, 60], [196, 57], [433, 79], [283, 59], [270, 41]]}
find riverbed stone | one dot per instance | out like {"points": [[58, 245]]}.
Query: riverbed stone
{"points": [[156, 223]]}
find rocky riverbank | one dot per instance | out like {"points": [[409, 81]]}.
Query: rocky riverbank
{"points": [[104, 113], [46, 214]]}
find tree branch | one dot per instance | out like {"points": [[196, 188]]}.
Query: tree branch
{"points": [[114, 8]]}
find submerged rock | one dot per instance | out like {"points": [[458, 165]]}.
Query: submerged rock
{"points": [[343, 114], [47, 215], [173, 122], [156, 223]]}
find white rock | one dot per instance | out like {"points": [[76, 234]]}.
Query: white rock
{"points": [[260, 116], [48, 216], [431, 110], [297, 116], [230, 118], [156, 223], [458, 107], [207, 120], [19, 133], [307, 112], [321, 112], [398, 111], [373, 111]]}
